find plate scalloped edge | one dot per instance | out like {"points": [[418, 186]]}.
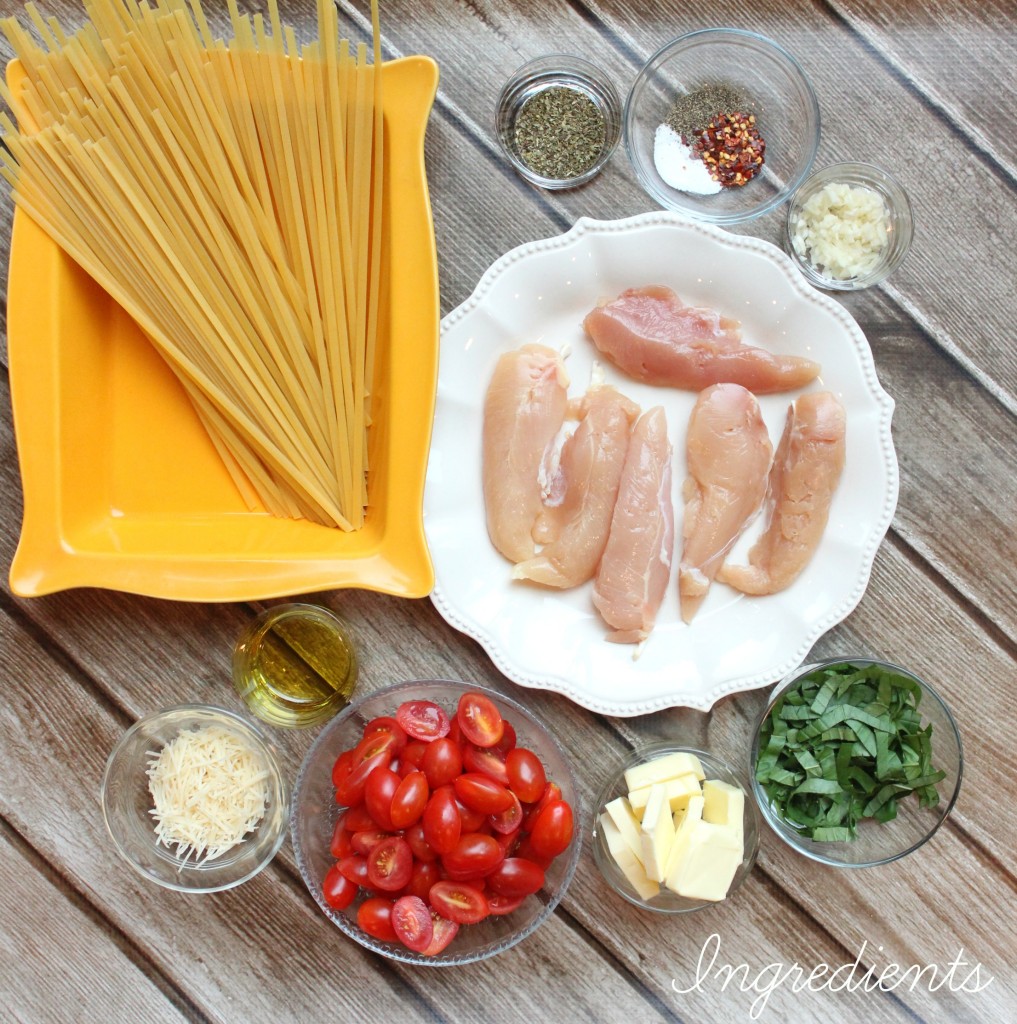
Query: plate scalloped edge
{"points": [[749, 681]]}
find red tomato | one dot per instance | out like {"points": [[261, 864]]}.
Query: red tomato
{"points": [[413, 754], [508, 739], [486, 761], [357, 819], [351, 790], [551, 792], [481, 793], [409, 800], [411, 920], [474, 855], [342, 844], [459, 902], [500, 905], [472, 821], [375, 917], [442, 762], [455, 734], [509, 842], [479, 720], [526, 776], [442, 824], [364, 842], [423, 877], [423, 719], [515, 876], [390, 864], [355, 869], [337, 890], [509, 820], [379, 790], [419, 845], [526, 851], [444, 932], [386, 724], [342, 766], [377, 743], [552, 831]]}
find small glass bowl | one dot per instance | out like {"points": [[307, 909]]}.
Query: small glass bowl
{"points": [[782, 98], [315, 813], [900, 223], [127, 803], [564, 70], [914, 826], [666, 901]]}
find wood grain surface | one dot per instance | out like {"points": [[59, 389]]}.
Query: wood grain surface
{"points": [[926, 90]]}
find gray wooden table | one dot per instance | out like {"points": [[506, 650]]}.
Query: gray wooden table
{"points": [[927, 90]]}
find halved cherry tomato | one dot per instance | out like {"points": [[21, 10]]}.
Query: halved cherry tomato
{"points": [[510, 820], [474, 855], [419, 845], [337, 890], [479, 720], [459, 902], [442, 762], [508, 739], [444, 932], [379, 790], [370, 746], [411, 920], [526, 776], [526, 851], [552, 791], [486, 761], [357, 819], [342, 766], [441, 821], [509, 842], [355, 869], [386, 724], [552, 831], [516, 876], [364, 842], [413, 754], [390, 864], [423, 877], [501, 905], [375, 917], [342, 842], [422, 719], [472, 821], [351, 790], [409, 800], [481, 793]]}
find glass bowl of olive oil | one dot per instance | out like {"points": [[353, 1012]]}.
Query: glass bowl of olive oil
{"points": [[295, 665]]}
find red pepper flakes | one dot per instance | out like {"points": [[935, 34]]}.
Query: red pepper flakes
{"points": [[732, 148]]}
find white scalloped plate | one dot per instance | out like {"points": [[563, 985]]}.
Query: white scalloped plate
{"points": [[554, 640]]}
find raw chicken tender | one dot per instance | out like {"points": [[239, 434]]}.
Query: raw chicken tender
{"points": [[636, 566], [523, 411], [590, 469], [728, 452], [650, 335], [805, 473]]}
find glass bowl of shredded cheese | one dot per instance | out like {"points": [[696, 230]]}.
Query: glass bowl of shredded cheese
{"points": [[849, 226], [195, 799]]}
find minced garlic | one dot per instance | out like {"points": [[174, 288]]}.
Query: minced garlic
{"points": [[842, 230]]}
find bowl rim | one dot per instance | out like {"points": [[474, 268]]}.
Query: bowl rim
{"points": [[640, 755], [394, 951], [707, 35], [265, 746], [763, 804]]}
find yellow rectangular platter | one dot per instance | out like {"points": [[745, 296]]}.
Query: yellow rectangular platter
{"points": [[122, 486]]}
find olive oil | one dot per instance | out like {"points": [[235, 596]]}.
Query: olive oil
{"points": [[295, 665]]}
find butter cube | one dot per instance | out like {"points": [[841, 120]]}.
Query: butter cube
{"points": [[724, 805], [678, 792], [627, 824], [656, 833], [684, 822], [708, 865], [660, 769], [626, 860]]}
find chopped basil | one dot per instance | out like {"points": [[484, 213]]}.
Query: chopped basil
{"points": [[846, 743]]}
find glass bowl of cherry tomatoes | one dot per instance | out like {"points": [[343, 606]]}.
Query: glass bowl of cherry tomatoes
{"points": [[436, 822]]}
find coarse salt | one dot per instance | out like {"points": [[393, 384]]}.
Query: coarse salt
{"points": [[678, 166]]}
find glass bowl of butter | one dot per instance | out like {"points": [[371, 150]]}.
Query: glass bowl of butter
{"points": [[674, 829]]}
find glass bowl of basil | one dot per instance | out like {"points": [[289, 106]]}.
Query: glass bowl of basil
{"points": [[855, 762]]}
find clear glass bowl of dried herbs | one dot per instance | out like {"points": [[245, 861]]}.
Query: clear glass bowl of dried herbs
{"points": [[856, 762]]}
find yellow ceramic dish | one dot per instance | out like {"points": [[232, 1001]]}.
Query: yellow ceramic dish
{"points": [[122, 486]]}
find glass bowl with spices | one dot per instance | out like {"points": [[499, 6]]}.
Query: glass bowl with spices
{"points": [[849, 226], [721, 125], [558, 120]]}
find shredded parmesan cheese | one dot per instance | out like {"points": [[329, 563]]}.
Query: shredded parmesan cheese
{"points": [[842, 230], [210, 789]]}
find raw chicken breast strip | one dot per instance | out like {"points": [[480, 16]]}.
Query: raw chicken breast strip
{"points": [[805, 473], [523, 411], [728, 452], [653, 337], [633, 574], [591, 467]]}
